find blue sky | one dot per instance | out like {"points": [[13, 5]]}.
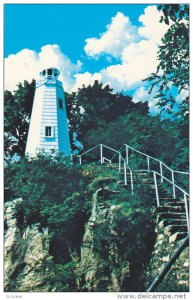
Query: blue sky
{"points": [[33, 25], [115, 44], [28, 26]]}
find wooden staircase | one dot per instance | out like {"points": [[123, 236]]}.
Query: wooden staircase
{"points": [[171, 213], [169, 202], [171, 231]]}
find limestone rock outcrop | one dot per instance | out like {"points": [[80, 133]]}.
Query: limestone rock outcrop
{"points": [[26, 254], [99, 276]]}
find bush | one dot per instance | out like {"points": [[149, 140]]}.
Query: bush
{"points": [[62, 278], [53, 195]]}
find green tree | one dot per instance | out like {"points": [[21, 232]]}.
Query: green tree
{"points": [[173, 72], [52, 192], [173, 69], [97, 105], [17, 112], [140, 131], [73, 115]]}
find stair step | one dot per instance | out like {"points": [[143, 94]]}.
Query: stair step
{"points": [[123, 185], [170, 209], [168, 197], [174, 203], [175, 215], [175, 222], [150, 186], [177, 236], [172, 200], [161, 194], [171, 214], [176, 228], [147, 180], [145, 175], [123, 173]]}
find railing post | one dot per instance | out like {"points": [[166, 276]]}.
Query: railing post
{"points": [[127, 154], [101, 153], [148, 163], [80, 160], [131, 175], [156, 189], [119, 162], [125, 173], [174, 189], [161, 171], [187, 212]]}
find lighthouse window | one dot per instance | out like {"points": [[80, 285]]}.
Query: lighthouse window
{"points": [[48, 131], [50, 72], [60, 103]]}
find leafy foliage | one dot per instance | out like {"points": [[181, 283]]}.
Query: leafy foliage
{"points": [[144, 133], [47, 187], [173, 69], [174, 12], [173, 72], [94, 106], [17, 112], [63, 277]]}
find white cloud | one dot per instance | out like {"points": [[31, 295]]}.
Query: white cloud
{"points": [[20, 66], [152, 29], [139, 60], [153, 109], [142, 95], [26, 65], [136, 48], [120, 33], [182, 96], [85, 79]]}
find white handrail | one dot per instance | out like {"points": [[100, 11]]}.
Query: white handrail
{"points": [[187, 212], [88, 150], [176, 186], [121, 160], [185, 194], [186, 173], [149, 156], [101, 153], [155, 173], [156, 188], [161, 165], [104, 158], [117, 152], [110, 148]]}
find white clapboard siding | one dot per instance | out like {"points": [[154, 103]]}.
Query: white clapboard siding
{"points": [[46, 112]]}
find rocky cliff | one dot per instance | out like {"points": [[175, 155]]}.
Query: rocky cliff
{"points": [[25, 254], [105, 261], [120, 248], [101, 264]]}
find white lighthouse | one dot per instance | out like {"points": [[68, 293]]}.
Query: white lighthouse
{"points": [[48, 129]]}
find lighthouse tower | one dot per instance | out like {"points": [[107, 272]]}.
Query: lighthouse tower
{"points": [[48, 129]]}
